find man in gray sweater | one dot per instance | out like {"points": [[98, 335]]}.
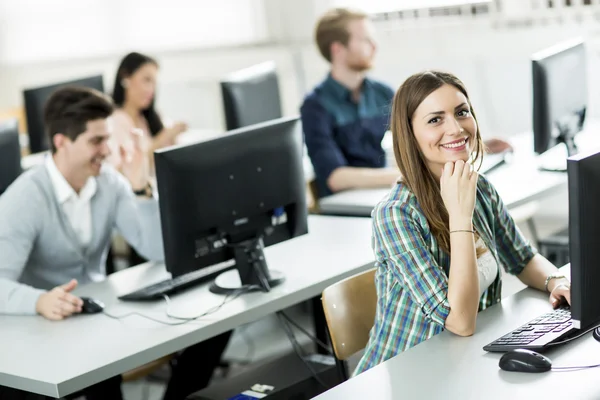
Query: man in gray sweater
{"points": [[56, 224]]}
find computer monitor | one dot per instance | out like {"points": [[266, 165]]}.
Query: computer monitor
{"points": [[251, 96], [229, 197], [584, 237], [35, 101], [560, 95], [10, 153]]}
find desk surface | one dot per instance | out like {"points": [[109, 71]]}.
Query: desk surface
{"points": [[452, 367], [59, 358], [518, 182]]}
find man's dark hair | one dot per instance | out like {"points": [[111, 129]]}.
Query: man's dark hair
{"points": [[69, 109]]}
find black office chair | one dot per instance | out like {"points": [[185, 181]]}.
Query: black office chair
{"points": [[251, 96], [10, 153]]}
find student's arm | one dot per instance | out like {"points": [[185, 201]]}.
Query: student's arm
{"points": [[138, 219], [520, 258], [167, 136], [328, 160], [18, 231], [22, 209], [458, 187], [343, 178], [452, 303]]}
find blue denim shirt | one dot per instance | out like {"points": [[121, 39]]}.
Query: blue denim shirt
{"points": [[340, 132]]}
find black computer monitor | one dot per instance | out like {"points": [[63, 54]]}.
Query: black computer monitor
{"points": [[251, 96], [10, 153], [35, 101], [228, 197], [584, 237], [560, 95]]}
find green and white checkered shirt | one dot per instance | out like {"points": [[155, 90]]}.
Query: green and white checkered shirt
{"points": [[411, 276]]}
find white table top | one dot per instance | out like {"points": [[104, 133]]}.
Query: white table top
{"points": [[453, 367], [59, 358]]}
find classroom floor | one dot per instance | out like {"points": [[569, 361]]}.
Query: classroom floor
{"points": [[265, 338]]}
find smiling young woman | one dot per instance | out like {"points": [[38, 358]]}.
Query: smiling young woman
{"points": [[442, 233]]}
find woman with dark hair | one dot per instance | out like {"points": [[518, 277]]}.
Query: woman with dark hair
{"points": [[134, 95], [442, 233]]}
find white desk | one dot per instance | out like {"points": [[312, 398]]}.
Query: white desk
{"points": [[452, 367], [59, 358]]}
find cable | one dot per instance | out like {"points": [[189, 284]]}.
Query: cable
{"points": [[229, 297], [574, 368], [298, 349], [313, 338], [182, 320], [572, 338], [121, 317]]}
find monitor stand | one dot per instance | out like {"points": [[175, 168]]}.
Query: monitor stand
{"points": [[251, 271], [555, 159]]}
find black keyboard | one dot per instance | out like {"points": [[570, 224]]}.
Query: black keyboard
{"points": [[537, 334], [173, 286]]}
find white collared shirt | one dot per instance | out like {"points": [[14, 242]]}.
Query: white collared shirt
{"points": [[76, 207]]}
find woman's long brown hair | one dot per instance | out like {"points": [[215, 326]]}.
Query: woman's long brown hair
{"points": [[411, 161]]}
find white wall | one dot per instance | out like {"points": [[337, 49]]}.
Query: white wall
{"points": [[491, 58], [494, 63]]}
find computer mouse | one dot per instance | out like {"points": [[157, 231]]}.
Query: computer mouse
{"points": [[91, 306], [522, 360]]}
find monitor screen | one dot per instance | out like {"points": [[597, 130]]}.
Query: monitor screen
{"points": [[560, 95], [218, 194], [10, 153], [35, 101], [584, 237]]}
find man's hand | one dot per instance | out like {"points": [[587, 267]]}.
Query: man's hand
{"points": [[494, 146], [136, 164], [59, 303]]}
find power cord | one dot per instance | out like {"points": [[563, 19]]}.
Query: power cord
{"points": [[308, 334], [297, 348], [182, 320]]}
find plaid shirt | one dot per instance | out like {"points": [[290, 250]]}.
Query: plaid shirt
{"points": [[411, 276]]}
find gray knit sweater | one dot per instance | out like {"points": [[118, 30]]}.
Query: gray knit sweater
{"points": [[39, 248]]}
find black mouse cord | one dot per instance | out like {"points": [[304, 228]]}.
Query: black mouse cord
{"points": [[572, 338], [574, 368]]}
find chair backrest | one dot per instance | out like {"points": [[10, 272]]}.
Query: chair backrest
{"points": [[312, 199], [350, 307], [251, 96]]}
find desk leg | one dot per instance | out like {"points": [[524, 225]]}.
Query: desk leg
{"points": [[320, 323]]}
